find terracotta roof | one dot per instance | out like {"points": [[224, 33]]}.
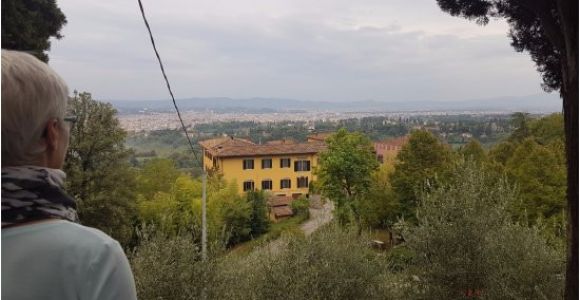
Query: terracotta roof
{"points": [[319, 137], [282, 211], [214, 143], [281, 142], [400, 141], [234, 147], [279, 201]]}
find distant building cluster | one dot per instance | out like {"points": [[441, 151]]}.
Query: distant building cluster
{"points": [[149, 121]]}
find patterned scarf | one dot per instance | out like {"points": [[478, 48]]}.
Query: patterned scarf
{"points": [[31, 193]]}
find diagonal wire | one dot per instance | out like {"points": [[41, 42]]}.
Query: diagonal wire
{"points": [[167, 81]]}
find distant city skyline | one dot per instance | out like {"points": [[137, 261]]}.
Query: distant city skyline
{"points": [[322, 51]]}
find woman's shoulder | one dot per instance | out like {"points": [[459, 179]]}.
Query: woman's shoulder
{"points": [[89, 234], [63, 234], [87, 239], [89, 261]]}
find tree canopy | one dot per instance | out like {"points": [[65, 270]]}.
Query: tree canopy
{"points": [[419, 164], [99, 175], [344, 171], [380, 207], [473, 151], [533, 160], [28, 25], [465, 243], [548, 31]]}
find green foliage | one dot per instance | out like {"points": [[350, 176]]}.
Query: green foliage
{"points": [[535, 163], [543, 130], [171, 201], [286, 227], [422, 164], [185, 159], [259, 221], [502, 152], [380, 208], [473, 151], [548, 129], [344, 172], [331, 264], [466, 241], [228, 212], [540, 173], [400, 257], [99, 175], [28, 25], [301, 207], [157, 175], [521, 123], [173, 211], [169, 267], [236, 217]]}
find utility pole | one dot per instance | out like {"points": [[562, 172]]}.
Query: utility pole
{"points": [[204, 215]]}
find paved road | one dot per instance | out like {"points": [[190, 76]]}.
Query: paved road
{"points": [[318, 217]]}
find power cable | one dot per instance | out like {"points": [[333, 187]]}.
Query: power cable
{"points": [[204, 174], [167, 82]]}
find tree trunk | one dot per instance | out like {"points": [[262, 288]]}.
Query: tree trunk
{"points": [[571, 125], [568, 17]]}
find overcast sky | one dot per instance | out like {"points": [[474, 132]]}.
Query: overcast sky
{"points": [[341, 50]]}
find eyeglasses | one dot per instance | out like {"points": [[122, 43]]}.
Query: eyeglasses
{"points": [[71, 119]]}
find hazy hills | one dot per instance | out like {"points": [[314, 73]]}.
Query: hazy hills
{"points": [[533, 103]]}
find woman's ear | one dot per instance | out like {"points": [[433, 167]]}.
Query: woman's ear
{"points": [[52, 135]]}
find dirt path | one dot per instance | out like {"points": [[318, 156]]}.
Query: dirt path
{"points": [[318, 217]]}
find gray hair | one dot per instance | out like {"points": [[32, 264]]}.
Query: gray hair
{"points": [[32, 94]]}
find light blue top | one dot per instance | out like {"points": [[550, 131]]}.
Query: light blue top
{"points": [[63, 260]]}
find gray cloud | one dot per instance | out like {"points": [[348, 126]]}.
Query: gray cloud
{"points": [[324, 50]]}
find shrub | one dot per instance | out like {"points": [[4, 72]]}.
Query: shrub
{"points": [[330, 264], [236, 217], [169, 267], [301, 207], [259, 221], [465, 242]]}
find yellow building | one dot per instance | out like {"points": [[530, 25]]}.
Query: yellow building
{"points": [[282, 168]]}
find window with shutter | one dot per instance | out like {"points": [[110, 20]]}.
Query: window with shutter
{"points": [[267, 163], [248, 185], [285, 184], [284, 163], [302, 182], [267, 184], [248, 164], [301, 165]]}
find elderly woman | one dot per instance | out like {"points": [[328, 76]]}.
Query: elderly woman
{"points": [[46, 253]]}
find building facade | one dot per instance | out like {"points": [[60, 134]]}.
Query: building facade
{"points": [[387, 150], [280, 168]]}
